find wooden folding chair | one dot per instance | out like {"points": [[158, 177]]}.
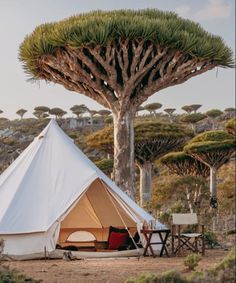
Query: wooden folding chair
{"points": [[190, 241]]}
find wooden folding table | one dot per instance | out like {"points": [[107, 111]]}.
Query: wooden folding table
{"points": [[148, 233]]}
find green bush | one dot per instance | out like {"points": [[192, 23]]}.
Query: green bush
{"points": [[224, 272], [13, 276], [210, 239], [192, 260]]}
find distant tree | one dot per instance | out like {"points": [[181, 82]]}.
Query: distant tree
{"points": [[41, 112], [42, 109], [104, 112], [120, 59], [58, 112], [170, 112], [21, 112], [183, 165], [78, 110], [187, 108], [195, 107], [213, 114], [152, 140], [1, 111], [230, 126], [192, 119], [152, 107], [213, 148], [230, 112]]}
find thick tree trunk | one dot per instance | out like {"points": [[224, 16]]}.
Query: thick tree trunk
{"points": [[145, 182], [124, 151], [213, 189]]}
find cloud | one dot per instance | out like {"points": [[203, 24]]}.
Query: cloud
{"points": [[213, 10]]}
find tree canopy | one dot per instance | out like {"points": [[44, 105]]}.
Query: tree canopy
{"points": [[182, 164], [100, 27], [193, 118], [213, 113], [211, 147]]}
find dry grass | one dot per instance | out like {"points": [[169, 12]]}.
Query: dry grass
{"points": [[107, 270]]}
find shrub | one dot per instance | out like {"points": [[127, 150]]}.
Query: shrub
{"points": [[171, 276], [210, 239], [13, 276], [191, 261], [222, 273]]}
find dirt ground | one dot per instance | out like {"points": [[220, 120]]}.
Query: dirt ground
{"points": [[106, 270]]}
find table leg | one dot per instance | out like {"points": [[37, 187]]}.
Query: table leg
{"points": [[164, 243], [148, 245]]}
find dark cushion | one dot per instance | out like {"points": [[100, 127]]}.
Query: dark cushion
{"points": [[117, 230], [117, 239]]}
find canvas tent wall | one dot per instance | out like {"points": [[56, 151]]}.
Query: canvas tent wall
{"points": [[43, 186]]}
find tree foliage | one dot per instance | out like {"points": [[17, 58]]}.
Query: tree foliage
{"points": [[21, 112], [193, 118], [42, 109], [58, 112], [213, 113], [195, 107], [78, 110], [213, 148], [100, 27], [230, 126], [183, 164], [187, 108], [152, 107]]}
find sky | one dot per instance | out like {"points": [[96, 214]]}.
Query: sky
{"points": [[213, 89]]}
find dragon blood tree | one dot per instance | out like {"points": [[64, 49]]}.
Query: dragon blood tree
{"points": [[192, 119], [152, 140], [119, 59], [213, 148], [184, 165]]}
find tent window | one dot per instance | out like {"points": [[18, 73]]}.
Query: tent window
{"points": [[81, 236]]}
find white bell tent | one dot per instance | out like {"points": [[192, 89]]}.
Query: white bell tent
{"points": [[53, 190]]}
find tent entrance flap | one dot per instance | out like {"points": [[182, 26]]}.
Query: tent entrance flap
{"points": [[95, 212]]}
